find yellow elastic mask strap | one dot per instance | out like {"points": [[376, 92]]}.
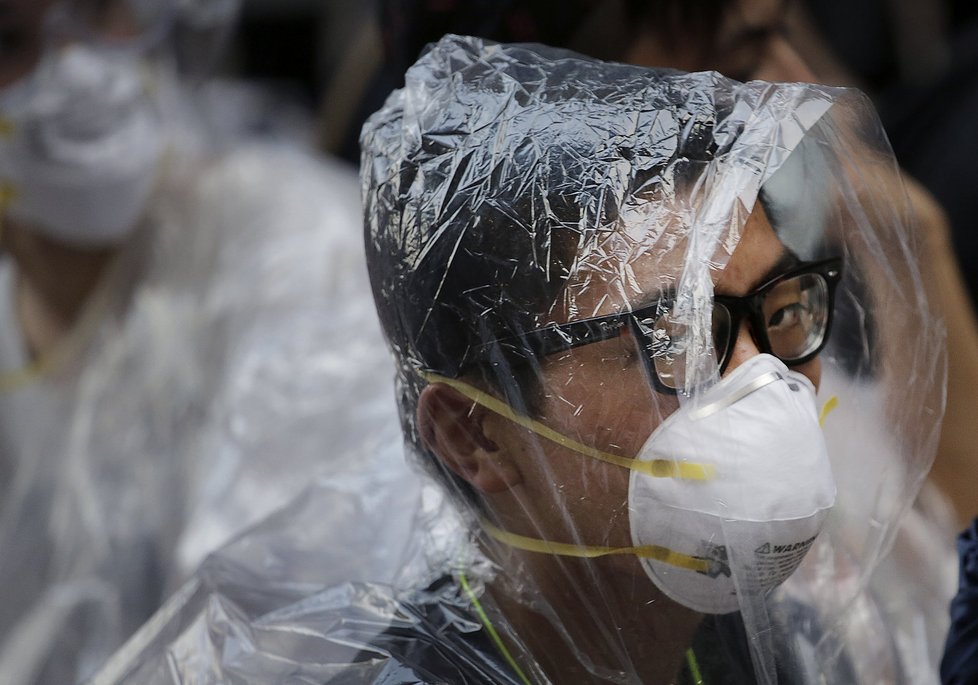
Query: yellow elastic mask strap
{"points": [[657, 468], [8, 193], [830, 405], [563, 549], [14, 380], [694, 667], [11, 381], [493, 634]]}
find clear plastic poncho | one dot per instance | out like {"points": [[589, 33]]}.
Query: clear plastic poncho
{"points": [[219, 380], [665, 340]]}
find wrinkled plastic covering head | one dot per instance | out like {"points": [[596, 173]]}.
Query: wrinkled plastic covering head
{"points": [[623, 303], [498, 182]]}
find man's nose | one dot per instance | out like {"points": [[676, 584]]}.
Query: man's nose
{"points": [[744, 348]]}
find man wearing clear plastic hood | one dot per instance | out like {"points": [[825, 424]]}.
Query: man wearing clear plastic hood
{"points": [[167, 373], [622, 370]]}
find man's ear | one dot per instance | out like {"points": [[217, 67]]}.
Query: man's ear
{"points": [[451, 426]]}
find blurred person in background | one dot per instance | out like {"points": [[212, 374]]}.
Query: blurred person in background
{"points": [[919, 61], [174, 325]]}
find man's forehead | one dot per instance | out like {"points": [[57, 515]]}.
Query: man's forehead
{"points": [[616, 271]]}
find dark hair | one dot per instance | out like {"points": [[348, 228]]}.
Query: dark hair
{"points": [[488, 268]]}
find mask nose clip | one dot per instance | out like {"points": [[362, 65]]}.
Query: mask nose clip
{"points": [[734, 392]]}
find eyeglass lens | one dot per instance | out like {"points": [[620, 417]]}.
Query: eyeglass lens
{"points": [[795, 315], [795, 312]]}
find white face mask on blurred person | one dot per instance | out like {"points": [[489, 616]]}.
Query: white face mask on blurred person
{"points": [[80, 144], [755, 520]]}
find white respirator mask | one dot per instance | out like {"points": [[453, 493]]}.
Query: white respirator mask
{"points": [[80, 144], [772, 488]]}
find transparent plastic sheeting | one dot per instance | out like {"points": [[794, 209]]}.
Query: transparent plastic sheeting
{"points": [[554, 245], [231, 360], [250, 613], [511, 188]]}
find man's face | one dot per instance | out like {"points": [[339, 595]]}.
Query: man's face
{"points": [[599, 395], [21, 37], [26, 30]]}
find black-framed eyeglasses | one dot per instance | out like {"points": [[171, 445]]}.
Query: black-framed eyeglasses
{"points": [[790, 317]]}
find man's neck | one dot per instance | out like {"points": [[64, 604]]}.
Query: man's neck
{"points": [[53, 284], [646, 637]]}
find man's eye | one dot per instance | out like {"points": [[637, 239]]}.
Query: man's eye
{"points": [[785, 317]]}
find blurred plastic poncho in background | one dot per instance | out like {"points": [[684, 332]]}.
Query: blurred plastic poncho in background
{"points": [[558, 249], [212, 374]]}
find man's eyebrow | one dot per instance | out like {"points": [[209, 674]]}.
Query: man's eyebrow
{"points": [[786, 262]]}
